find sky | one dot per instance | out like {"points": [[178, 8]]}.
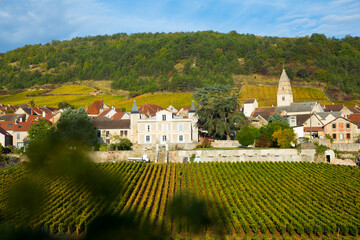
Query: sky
{"points": [[25, 22]]}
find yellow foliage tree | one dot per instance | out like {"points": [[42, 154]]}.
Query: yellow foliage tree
{"points": [[284, 137]]}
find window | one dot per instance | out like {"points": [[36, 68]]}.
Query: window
{"points": [[164, 127], [18, 136], [164, 117], [341, 136], [334, 136], [334, 125], [348, 136], [181, 138], [181, 127], [148, 128], [121, 133], [164, 138], [107, 133], [283, 98], [347, 125], [125, 133], [147, 138]]}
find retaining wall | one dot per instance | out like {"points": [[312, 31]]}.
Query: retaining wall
{"points": [[241, 155]]}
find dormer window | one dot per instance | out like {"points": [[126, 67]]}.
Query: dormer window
{"points": [[164, 117]]}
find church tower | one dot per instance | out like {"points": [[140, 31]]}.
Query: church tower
{"points": [[134, 117], [284, 94]]}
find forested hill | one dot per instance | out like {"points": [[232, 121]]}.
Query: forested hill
{"points": [[182, 61]]}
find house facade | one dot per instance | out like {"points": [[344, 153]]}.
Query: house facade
{"points": [[108, 129], [341, 130], [163, 128], [249, 106]]}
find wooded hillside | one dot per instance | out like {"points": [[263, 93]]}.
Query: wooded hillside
{"points": [[150, 62]]}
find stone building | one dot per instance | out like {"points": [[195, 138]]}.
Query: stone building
{"points": [[163, 128], [341, 130]]}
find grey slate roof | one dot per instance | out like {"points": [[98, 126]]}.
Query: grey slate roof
{"points": [[4, 132], [301, 119], [134, 108], [11, 117], [192, 108], [323, 115], [298, 107]]}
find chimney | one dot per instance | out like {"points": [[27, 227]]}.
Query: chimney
{"points": [[43, 114], [86, 107], [32, 112], [45, 106]]}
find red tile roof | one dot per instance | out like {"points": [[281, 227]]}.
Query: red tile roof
{"points": [[95, 107], [16, 127], [333, 107], [117, 116], [355, 118], [314, 129], [104, 113], [150, 109]]}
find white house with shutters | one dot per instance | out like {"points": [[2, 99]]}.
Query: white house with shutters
{"points": [[163, 128]]}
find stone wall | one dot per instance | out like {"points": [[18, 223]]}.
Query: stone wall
{"points": [[209, 155], [241, 155], [346, 147], [118, 156]]}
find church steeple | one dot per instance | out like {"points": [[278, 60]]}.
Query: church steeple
{"points": [[284, 94]]}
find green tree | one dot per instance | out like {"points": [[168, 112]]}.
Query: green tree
{"points": [[247, 135], [276, 117], [32, 103], [63, 105], [218, 111], [75, 125], [39, 130]]}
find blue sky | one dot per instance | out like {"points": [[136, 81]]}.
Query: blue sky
{"points": [[40, 21]]}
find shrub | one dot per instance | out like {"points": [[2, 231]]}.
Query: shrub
{"points": [[204, 144], [192, 158], [328, 136], [124, 144], [247, 135]]}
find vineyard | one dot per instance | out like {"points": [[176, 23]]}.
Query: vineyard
{"points": [[300, 200], [268, 92], [164, 100]]}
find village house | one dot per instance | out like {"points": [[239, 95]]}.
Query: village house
{"points": [[355, 118], [162, 127], [249, 106], [341, 130], [96, 108], [108, 129], [18, 130], [346, 111], [5, 138]]}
